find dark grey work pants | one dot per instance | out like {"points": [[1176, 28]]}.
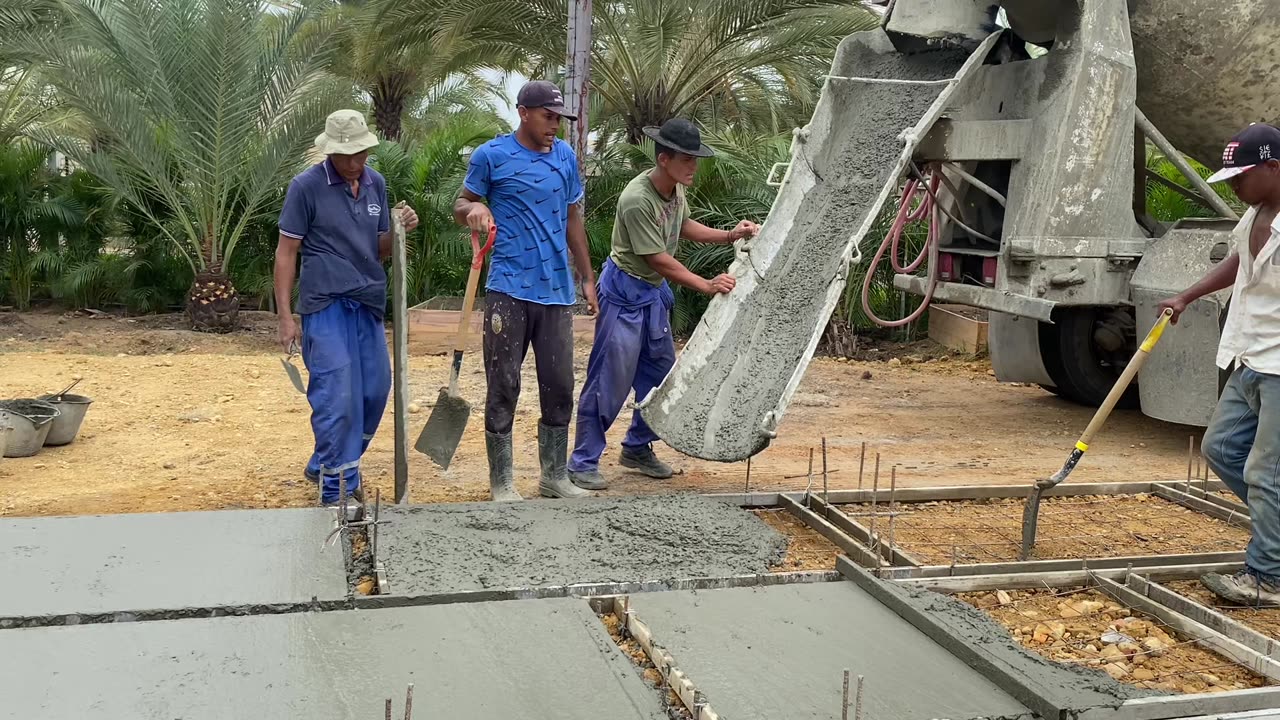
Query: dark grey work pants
{"points": [[511, 326]]}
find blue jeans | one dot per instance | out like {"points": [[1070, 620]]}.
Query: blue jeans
{"points": [[1242, 445], [344, 347]]}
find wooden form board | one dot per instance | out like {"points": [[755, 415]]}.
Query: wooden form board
{"points": [[950, 328], [1120, 586], [432, 332], [871, 549]]}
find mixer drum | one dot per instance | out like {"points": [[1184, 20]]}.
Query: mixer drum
{"points": [[1206, 68]]}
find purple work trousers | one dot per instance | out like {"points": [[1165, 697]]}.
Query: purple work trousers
{"points": [[633, 351]]}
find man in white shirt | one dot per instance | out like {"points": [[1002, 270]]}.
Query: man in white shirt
{"points": [[1242, 443]]}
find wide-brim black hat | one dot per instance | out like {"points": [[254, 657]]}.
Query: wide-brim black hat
{"points": [[679, 135]]}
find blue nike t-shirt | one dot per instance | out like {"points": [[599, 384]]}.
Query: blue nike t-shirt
{"points": [[529, 194]]}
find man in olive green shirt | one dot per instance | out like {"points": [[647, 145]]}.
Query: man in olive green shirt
{"points": [[633, 349]]}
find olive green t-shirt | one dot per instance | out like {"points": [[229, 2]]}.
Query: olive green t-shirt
{"points": [[646, 224]]}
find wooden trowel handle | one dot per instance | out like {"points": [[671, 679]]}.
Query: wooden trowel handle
{"points": [[1126, 377], [468, 302]]}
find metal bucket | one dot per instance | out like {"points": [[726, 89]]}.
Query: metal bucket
{"points": [[71, 410], [31, 421]]}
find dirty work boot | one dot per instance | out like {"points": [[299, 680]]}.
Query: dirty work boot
{"points": [[553, 454], [645, 462], [1243, 588], [588, 479], [501, 488]]}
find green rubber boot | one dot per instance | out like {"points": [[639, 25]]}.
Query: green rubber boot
{"points": [[501, 485], [553, 454]]}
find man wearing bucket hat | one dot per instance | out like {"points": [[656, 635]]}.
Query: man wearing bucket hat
{"points": [[633, 349], [1242, 442], [526, 183], [336, 215]]}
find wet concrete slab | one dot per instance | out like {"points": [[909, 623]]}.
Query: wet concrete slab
{"points": [[156, 561], [430, 549], [480, 661], [767, 653]]}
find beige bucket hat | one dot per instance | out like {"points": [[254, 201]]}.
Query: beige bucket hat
{"points": [[345, 133]]}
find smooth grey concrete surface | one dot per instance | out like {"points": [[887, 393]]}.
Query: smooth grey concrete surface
{"points": [[149, 561], [779, 652], [538, 543], [534, 660]]}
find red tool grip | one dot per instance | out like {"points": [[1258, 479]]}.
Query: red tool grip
{"points": [[477, 252]]}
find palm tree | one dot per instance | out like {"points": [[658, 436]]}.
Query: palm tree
{"points": [[401, 80], [200, 111], [755, 64], [35, 215], [428, 175]]}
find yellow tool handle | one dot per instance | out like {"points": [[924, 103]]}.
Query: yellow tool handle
{"points": [[1126, 377]]}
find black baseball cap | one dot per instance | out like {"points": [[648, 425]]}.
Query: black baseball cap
{"points": [[543, 94], [1252, 146]]}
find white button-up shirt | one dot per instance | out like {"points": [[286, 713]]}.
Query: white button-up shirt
{"points": [[1252, 331]]}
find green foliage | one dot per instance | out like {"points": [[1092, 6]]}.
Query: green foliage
{"points": [[36, 211], [751, 64], [1168, 205], [427, 176], [200, 110]]}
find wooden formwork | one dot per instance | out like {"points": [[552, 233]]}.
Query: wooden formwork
{"points": [[869, 542]]}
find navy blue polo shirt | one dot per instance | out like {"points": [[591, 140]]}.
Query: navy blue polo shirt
{"points": [[529, 194], [339, 234]]}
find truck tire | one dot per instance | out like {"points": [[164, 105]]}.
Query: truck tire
{"points": [[1082, 371]]}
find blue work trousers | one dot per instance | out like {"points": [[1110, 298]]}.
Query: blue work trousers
{"points": [[344, 348], [1242, 445], [633, 351]]}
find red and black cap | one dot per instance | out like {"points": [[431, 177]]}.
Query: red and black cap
{"points": [[543, 94], [1252, 146]]}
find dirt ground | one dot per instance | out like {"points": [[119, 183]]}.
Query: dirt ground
{"points": [[187, 421], [806, 549], [1091, 526], [1089, 628]]}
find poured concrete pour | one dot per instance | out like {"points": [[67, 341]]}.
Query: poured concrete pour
{"points": [[731, 383], [454, 547], [481, 661], [779, 652], [167, 561]]}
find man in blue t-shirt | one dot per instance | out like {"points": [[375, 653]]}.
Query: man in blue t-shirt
{"points": [[527, 184], [336, 214]]}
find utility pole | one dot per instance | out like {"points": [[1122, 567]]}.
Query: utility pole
{"points": [[577, 77]]}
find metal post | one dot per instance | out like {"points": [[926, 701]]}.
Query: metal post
{"points": [[400, 348], [747, 490], [857, 703], [862, 461], [1191, 454], [577, 76], [844, 704], [1209, 195], [826, 507], [893, 506], [875, 491]]}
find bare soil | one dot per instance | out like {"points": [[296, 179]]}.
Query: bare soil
{"points": [[1264, 620], [191, 421], [1090, 628], [806, 548], [1091, 526]]}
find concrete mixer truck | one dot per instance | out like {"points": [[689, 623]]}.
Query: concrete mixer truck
{"points": [[1020, 131]]}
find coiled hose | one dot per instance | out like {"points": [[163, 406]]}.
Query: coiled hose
{"points": [[928, 208]]}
